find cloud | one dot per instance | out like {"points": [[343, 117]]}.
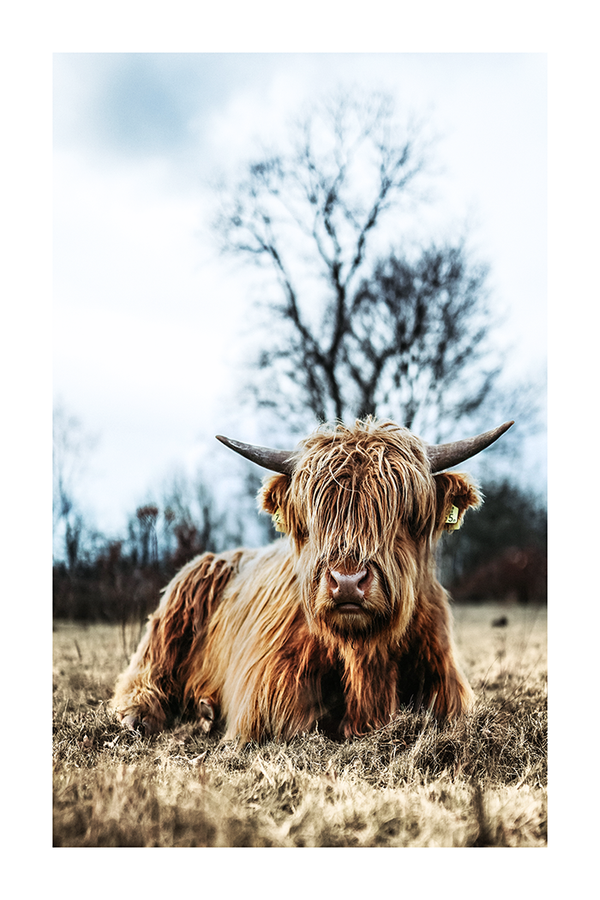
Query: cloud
{"points": [[136, 104]]}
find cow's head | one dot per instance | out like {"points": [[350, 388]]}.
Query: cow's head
{"points": [[363, 507]]}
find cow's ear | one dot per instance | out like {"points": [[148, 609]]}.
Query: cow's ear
{"points": [[455, 493], [272, 498]]}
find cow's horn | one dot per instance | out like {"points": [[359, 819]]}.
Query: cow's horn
{"points": [[275, 460], [444, 456]]}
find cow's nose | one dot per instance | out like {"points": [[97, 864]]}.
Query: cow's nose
{"points": [[347, 587]]}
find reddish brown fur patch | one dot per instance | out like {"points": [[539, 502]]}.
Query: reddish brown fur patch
{"points": [[154, 681]]}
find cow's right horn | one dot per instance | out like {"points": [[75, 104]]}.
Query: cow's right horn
{"points": [[282, 461], [444, 456]]}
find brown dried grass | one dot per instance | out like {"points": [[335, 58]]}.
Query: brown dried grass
{"points": [[476, 782]]}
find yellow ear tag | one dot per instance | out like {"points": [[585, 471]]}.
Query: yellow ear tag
{"points": [[277, 520], [453, 518]]}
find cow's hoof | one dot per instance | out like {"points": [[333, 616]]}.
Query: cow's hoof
{"points": [[144, 726], [207, 715]]}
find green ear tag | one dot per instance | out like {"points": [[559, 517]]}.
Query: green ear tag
{"points": [[452, 516]]}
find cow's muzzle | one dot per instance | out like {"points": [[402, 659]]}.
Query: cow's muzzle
{"points": [[348, 590]]}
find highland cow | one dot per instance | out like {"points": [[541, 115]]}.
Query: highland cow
{"points": [[340, 624]]}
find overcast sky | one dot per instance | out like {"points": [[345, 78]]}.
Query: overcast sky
{"points": [[149, 321]]}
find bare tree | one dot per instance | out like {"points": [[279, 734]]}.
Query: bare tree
{"points": [[418, 345], [71, 447], [356, 335], [192, 519]]}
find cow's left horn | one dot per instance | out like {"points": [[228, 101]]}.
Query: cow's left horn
{"points": [[444, 456], [282, 461]]}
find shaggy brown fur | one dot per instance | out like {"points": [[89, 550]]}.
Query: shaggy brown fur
{"points": [[255, 638]]}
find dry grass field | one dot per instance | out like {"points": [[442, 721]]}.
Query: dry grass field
{"points": [[478, 782]]}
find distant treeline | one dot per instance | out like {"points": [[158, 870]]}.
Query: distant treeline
{"points": [[500, 553]]}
